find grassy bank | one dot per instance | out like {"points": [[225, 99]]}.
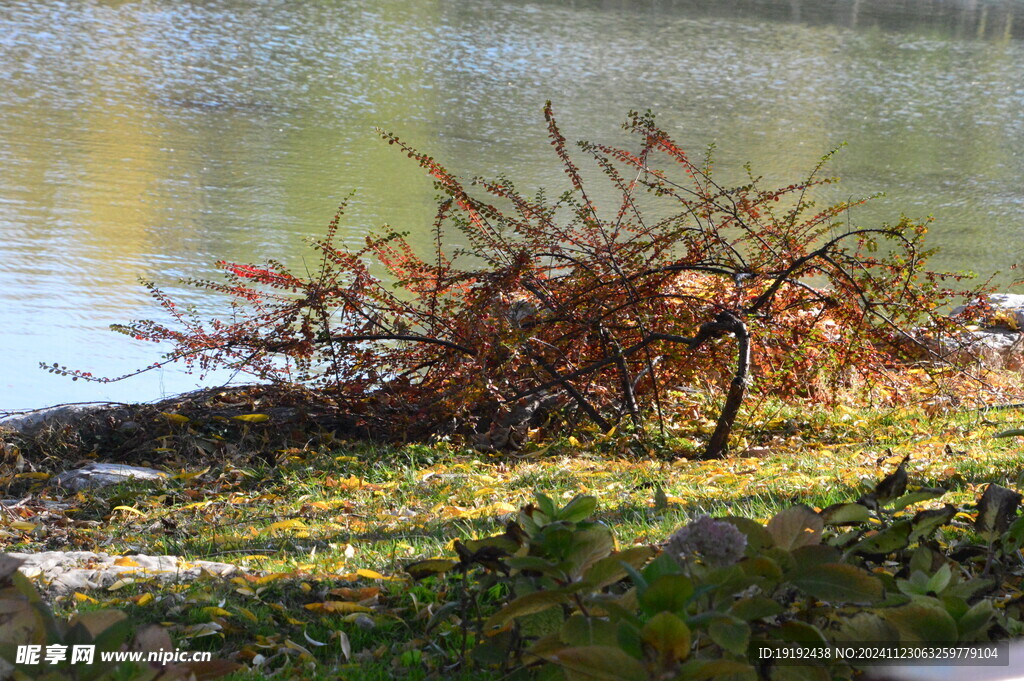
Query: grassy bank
{"points": [[336, 523]]}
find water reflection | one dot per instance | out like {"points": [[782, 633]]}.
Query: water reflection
{"points": [[152, 138]]}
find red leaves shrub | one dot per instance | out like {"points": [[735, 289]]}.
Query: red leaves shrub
{"points": [[602, 310]]}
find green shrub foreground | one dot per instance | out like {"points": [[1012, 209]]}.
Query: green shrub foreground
{"points": [[553, 594]]}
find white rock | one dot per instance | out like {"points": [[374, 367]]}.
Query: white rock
{"points": [[55, 416], [1009, 306], [103, 474], [65, 571]]}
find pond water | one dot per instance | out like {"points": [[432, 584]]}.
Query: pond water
{"points": [[152, 138]]}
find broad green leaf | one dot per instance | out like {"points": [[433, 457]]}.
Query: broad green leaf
{"points": [[667, 592], [892, 538], [968, 589], [845, 514], [922, 622], [537, 601], [865, 626], [702, 670], [611, 569], [755, 608], [763, 567], [600, 663], [535, 564], [501, 544], [580, 630], [664, 564], [938, 582], [815, 554], [996, 509], [731, 633], [579, 508], [1013, 538], [800, 632], [917, 496], [757, 536], [926, 522], [589, 546], [799, 672], [669, 636], [545, 506], [837, 583], [795, 527], [973, 623]]}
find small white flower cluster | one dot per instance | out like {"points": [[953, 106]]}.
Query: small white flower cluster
{"points": [[715, 542]]}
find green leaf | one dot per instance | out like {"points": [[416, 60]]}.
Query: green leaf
{"points": [[892, 538], [535, 602], [922, 622], [441, 613], [968, 589], [589, 546], [865, 626], [845, 514], [500, 544], [731, 633], [795, 527], [667, 592], [799, 672], [763, 567], [669, 636], [601, 663], [837, 582], [756, 608], [545, 506], [938, 582], [611, 569], [702, 670], [926, 522], [800, 632], [535, 564], [997, 507], [664, 564], [1013, 538], [579, 508], [917, 496], [757, 536], [580, 630], [973, 624], [815, 554], [430, 567]]}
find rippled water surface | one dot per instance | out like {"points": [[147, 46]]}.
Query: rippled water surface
{"points": [[149, 139]]}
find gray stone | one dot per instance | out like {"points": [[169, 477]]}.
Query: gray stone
{"points": [[1007, 310], [63, 572], [51, 416], [996, 349], [97, 475]]}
